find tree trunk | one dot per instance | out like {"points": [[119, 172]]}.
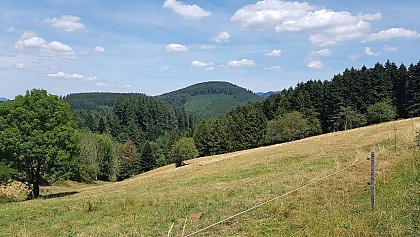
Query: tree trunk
{"points": [[36, 189], [37, 180]]}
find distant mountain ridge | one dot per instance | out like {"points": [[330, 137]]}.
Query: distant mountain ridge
{"points": [[267, 94], [3, 99]]}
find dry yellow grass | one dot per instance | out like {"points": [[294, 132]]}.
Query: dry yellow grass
{"points": [[210, 189]]}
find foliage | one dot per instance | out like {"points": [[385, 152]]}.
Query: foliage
{"points": [[37, 139], [96, 101], [347, 118], [183, 150], [380, 112], [289, 127], [128, 160], [148, 157], [100, 157]]}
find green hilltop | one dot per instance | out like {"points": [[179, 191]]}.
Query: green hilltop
{"points": [[210, 99]]}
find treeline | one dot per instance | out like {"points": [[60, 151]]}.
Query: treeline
{"points": [[355, 98], [145, 129], [95, 101]]}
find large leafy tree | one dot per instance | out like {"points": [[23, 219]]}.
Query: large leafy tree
{"points": [[37, 140]]}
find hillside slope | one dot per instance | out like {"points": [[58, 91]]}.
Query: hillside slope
{"points": [[210, 189], [210, 99]]}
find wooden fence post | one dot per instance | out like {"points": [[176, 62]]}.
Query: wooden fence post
{"points": [[372, 159]]}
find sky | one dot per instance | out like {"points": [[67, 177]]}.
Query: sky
{"points": [[158, 46]]}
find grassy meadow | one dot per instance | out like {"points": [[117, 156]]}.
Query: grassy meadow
{"points": [[210, 189]]}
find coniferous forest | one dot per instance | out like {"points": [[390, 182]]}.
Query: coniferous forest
{"points": [[121, 135]]}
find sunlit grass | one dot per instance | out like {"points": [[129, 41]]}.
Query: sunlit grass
{"points": [[210, 189]]}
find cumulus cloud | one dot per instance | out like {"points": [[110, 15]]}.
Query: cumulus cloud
{"points": [[99, 49], [393, 33], [67, 23], [29, 40], [207, 66], [188, 12], [274, 68], [201, 64], [315, 64], [176, 48], [222, 37], [320, 53], [369, 52], [241, 63], [63, 75], [331, 26], [274, 53]]}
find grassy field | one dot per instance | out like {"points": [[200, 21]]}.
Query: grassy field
{"points": [[210, 189]]}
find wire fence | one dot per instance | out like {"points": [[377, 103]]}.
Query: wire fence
{"points": [[271, 200]]}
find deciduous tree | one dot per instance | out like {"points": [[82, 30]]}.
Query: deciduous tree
{"points": [[37, 139]]}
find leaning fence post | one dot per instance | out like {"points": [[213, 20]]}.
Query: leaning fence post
{"points": [[372, 159]]}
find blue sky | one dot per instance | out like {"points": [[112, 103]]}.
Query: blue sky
{"points": [[153, 47]]}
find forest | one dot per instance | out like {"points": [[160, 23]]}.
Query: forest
{"points": [[112, 137]]}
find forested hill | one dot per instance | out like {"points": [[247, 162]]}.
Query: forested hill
{"points": [[210, 99], [96, 101]]}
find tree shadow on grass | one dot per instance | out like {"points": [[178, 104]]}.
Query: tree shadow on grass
{"points": [[58, 195]]}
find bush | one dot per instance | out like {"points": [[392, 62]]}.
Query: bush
{"points": [[184, 149]]}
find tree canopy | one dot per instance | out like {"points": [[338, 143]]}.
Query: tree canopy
{"points": [[37, 140]]}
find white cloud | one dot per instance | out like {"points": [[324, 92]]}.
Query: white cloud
{"points": [[222, 37], [315, 64], [21, 66], [201, 64], [11, 30], [243, 62], [353, 57], [167, 69], [390, 48], [270, 13], [29, 40], [331, 26], [319, 53], [188, 12], [63, 75], [176, 48], [369, 52], [206, 46], [274, 53], [102, 84], [125, 86], [67, 23], [99, 49], [274, 68], [209, 68], [393, 33]]}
